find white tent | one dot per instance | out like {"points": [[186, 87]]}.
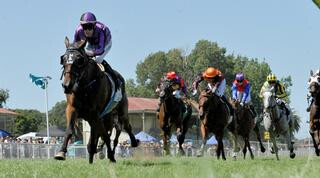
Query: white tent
{"points": [[122, 138], [28, 135]]}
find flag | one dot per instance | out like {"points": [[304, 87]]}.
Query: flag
{"points": [[317, 3], [39, 81]]}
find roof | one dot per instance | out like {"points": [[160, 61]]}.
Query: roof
{"points": [[140, 104], [7, 112]]}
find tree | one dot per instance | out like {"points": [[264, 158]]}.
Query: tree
{"points": [[4, 95], [28, 121], [57, 115]]}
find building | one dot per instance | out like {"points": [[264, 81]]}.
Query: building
{"points": [[7, 118], [142, 116]]}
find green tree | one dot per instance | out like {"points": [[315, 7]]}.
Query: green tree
{"points": [[28, 121], [4, 95], [57, 115]]}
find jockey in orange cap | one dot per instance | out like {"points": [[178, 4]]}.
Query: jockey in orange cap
{"points": [[216, 84]]}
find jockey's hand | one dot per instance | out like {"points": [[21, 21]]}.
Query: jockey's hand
{"points": [[90, 53], [279, 101], [241, 104], [194, 92]]}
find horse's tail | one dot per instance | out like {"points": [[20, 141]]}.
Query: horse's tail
{"points": [[294, 123]]}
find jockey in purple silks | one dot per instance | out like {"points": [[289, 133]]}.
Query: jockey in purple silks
{"points": [[241, 91], [98, 37]]}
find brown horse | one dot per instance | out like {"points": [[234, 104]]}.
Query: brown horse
{"points": [[88, 90], [245, 124], [314, 89], [214, 116], [173, 112]]}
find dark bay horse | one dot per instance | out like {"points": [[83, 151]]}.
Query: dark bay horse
{"points": [[245, 124], [173, 112], [214, 116], [314, 89], [88, 90]]}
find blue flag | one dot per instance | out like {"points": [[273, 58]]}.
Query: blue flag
{"points": [[39, 81]]}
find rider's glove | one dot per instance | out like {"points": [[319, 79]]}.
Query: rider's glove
{"points": [[241, 104], [194, 92]]}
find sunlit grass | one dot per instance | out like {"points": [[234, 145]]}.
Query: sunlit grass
{"points": [[182, 167]]}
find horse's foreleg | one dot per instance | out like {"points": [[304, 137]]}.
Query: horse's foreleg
{"points": [[71, 116], [92, 144], [204, 135], [220, 150], [257, 131], [290, 144], [315, 143], [249, 147], [274, 143]]}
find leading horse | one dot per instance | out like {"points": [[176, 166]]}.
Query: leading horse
{"points": [[276, 122], [88, 90], [214, 116], [173, 112], [314, 90]]}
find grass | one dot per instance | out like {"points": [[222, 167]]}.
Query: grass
{"points": [[166, 167]]}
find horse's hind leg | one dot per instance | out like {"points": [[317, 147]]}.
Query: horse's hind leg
{"points": [[274, 144], [315, 143], [290, 144], [256, 130], [124, 120]]}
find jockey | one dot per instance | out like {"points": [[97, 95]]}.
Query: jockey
{"points": [[216, 84], [241, 87], [98, 37], [279, 91], [315, 75], [176, 82]]}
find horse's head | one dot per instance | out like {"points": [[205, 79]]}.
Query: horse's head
{"points": [[73, 60], [166, 90], [269, 99], [314, 84]]}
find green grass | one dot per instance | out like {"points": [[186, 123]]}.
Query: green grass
{"points": [[180, 167]]}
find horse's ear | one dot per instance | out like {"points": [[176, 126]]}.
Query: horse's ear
{"points": [[82, 44], [66, 42], [311, 72]]}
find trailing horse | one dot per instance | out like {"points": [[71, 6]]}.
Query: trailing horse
{"points": [[314, 90], [173, 112], [245, 124], [276, 122], [214, 116], [88, 90]]}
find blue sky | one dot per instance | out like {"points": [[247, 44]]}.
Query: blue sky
{"points": [[285, 33]]}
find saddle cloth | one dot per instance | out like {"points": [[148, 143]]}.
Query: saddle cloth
{"points": [[116, 96]]}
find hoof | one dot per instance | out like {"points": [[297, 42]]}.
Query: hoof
{"points": [[292, 155], [136, 143], [101, 155], [317, 152], [263, 149], [60, 156]]}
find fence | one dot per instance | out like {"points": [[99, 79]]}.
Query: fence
{"points": [[43, 151]]}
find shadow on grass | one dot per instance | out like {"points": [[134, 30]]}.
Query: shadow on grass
{"points": [[145, 163]]}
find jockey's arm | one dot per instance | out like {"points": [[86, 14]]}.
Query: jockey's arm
{"points": [[246, 93], [263, 89], [281, 92], [100, 47], [234, 92]]}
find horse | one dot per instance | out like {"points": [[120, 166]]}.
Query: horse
{"points": [[314, 90], [276, 122], [88, 90], [214, 116], [245, 124], [173, 112]]}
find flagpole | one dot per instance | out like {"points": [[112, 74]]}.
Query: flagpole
{"points": [[47, 115]]}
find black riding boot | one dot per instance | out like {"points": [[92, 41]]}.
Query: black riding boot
{"points": [[110, 71], [253, 111], [228, 104]]}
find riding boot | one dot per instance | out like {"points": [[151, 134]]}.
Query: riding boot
{"points": [[309, 107], [110, 71], [224, 99], [253, 111]]}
